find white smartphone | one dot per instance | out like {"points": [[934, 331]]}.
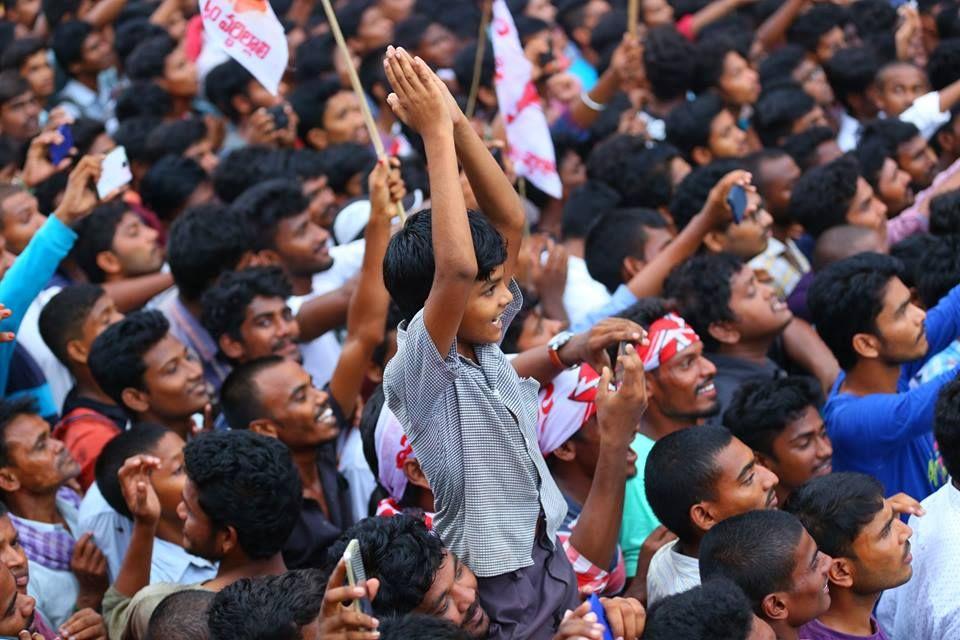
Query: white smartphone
{"points": [[114, 172]]}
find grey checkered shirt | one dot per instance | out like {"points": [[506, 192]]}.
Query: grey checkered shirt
{"points": [[488, 477]]}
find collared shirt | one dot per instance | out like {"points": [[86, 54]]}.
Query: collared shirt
{"points": [[671, 572], [849, 134], [188, 330], [80, 100], [733, 372], [784, 262], [926, 606], [55, 590], [111, 531], [474, 427], [172, 563], [621, 299]]}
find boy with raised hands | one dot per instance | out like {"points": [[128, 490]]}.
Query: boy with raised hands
{"points": [[470, 417]]}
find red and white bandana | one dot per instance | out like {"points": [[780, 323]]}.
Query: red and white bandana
{"points": [[565, 406], [666, 337]]}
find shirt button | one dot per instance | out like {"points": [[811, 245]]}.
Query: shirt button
{"points": [[496, 393]]}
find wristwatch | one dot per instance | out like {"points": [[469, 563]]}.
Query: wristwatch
{"points": [[553, 348]]}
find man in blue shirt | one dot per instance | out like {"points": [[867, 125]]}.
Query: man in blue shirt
{"points": [[879, 426]]}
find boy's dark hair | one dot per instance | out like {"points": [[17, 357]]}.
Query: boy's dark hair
{"points": [[762, 409], [19, 51], [225, 303], [95, 234], [911, 252], [274, 607], [778, 109], [755, 550], [146, 61], [143, 99], [715, 610], [309, 100], [943, 63], [249, 482], [344, 161], [85, 133], [701, 287], [945, 213], [680, 472], [131, 34], [852, 71], [691, 194], [710, 54], [204, 242], [846, 298], [11, 409], [61, 319], [116, 356], [401, 552], [615, 236], [889, 131], [67, 42], [142, 438], [802, 146], [314, 57], [408, 267], [637, 170], [240, 396], [585, 206], [871, 153], [12, 85], [169, 183], [225, 82], [946, 427], [422, 627], [350, 15], [244, 167], [807, 29], [779, 65], [688, 125], [835, 508], [174, 138], [939, 270], [669, 61], [56, 10], [263, 206], [464, 62], [181, 615], [822, 196], [410, 32]]}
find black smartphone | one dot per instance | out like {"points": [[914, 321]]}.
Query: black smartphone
{"points": [[280, 120], [737, 199]]}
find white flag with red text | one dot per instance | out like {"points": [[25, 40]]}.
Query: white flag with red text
{"points": [[248, 30], [528, 135]]}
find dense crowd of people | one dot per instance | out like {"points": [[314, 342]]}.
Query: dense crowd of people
{"points": [[709, 392]]}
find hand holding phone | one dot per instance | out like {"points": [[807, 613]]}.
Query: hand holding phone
{"points": [[114, 172], [597, 608]]}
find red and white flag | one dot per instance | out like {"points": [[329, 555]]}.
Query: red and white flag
{"points": [[248, 30], [531, 147]]}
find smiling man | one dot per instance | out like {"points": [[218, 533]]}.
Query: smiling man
{"points": [[870, 546], [877, 423], [696, 478], [780, 421], [148, 372]]}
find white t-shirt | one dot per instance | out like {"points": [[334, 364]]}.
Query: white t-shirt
{"points": [[320, 355], [28, 335], [582, 294], [670, 573]]}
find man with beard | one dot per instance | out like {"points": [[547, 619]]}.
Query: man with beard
{"points": [[679, 381], [852, 523], [69, 572], [240, 502], [147, 371], [85, 623], [740, 319], [694, 479], [877, 424], [780, 421]]}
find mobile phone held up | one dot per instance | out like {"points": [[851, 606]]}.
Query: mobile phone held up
{"points": [[60, 151], [280, 120], [356, 575], [597, 608], [737, 199], [114, 172]]}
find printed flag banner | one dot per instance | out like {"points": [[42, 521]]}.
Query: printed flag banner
{"points": [[248, 30], [531, 147]]}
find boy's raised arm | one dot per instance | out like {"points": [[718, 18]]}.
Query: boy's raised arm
{"points": [[418, 102]]}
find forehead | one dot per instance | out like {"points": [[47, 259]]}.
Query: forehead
{"points": [[914, 145], [7, 530], [779, 168], [902, 74], [262, 305], [803, 555], [742, 278], [168, 347], [17, 200], [694, 351], [25, 429], [894, 295], [731, 460], [278, 381], [808, 420]]}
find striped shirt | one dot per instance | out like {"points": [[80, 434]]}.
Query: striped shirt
{"points": [[474, 428]]}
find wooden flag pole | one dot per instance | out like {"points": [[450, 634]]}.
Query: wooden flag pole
{"points": [[358, 90], [633, 16], [478, 62]]}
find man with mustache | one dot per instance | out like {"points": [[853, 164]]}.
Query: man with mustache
{"points": [[740, 319], [780, 421], [852, 523], [877, 423], [68, 571], [147, 371], [694, 479]]}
